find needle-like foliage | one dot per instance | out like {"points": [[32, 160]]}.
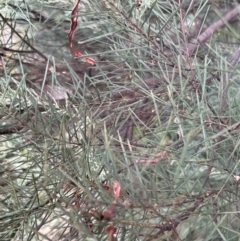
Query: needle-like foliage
{"points": [[119, 120]]}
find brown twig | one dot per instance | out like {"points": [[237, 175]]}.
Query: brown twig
{"points": [[24, 41], [135, 27], [191, 47]]}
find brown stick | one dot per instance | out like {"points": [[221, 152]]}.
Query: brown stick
{"points": [[191, 47], [15, 31]]}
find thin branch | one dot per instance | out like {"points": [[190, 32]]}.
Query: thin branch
{"points": [[191, 47], [27, 43]]}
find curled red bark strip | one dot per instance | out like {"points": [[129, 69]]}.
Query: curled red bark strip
{"points": [[111, 230], [73, 26], [116, 191]]}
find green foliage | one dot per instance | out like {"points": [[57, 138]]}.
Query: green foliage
{"points": [[159, 113]]}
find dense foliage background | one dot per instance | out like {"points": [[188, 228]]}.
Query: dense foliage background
{"points": [[157, 117]]}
